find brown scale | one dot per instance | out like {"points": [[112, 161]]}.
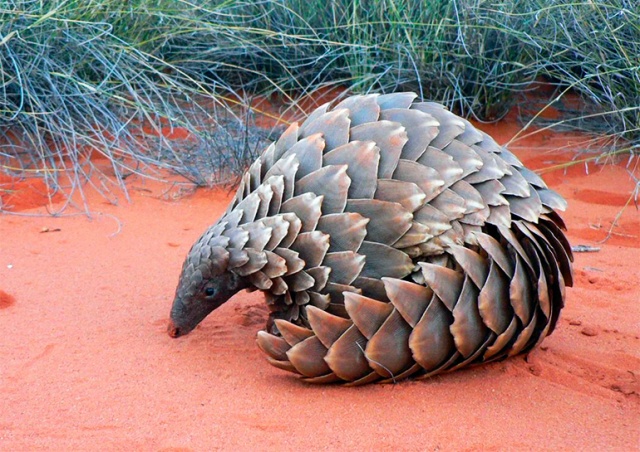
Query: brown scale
{"points": [[391, 239]]}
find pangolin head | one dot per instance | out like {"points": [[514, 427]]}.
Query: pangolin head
{"points": [[205, 284]]}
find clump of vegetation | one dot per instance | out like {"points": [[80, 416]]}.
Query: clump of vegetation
{"points": [[110, 77]]}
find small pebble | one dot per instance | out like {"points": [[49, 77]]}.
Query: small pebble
{"points": [[589, 331], [593, 279], [575, 322], [535, 370], [544, 348]]}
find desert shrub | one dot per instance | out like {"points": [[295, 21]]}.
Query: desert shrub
{"points": [[108, 77]]}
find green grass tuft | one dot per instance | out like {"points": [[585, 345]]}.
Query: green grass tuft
{"points": [[80, 78]]}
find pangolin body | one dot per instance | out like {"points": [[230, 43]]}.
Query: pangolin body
{"points": [[391, 238]]}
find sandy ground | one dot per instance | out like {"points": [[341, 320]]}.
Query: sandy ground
{"points": [[86, 364]]}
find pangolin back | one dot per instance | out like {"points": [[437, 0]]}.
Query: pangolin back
{"points": [[392, 238]]}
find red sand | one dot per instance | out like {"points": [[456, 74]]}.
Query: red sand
{"points": [[86, 362]]}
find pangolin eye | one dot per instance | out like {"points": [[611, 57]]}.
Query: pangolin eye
{"points": [[209, 291]]}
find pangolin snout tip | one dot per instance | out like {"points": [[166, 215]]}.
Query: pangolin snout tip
{"points": [[173, 330]]}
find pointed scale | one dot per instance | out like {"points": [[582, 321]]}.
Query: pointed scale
{"points": [[279, 229], [362, 159], [411, 300], [475, 357], [277, 188], [492, 167], [491, 192], [274, 346], [346, 355], [532, 177], [286, 141], [446, 283], [468, 330], [472, 197], [552, 199], [388, 349], [347, 230], [257, 260], [555, 230], [315, 114], [497, 253], [389, 137], [421, 129], [464, 156], [450, 203], [333, 125], [523, 338], [500, 216], [279, 287], [249, 208], [471, 135], [560, 251], [321, 301], [345, 266], [407, 194], [299, 281], [308, 152], [511, 238], [371, 287], [265, 193], [287, 168], [337, 292], [427, 179], [293, 261], [395, 100], [312, 247], [521, 292], [500, 346], [493, 301], [448, 169], [526, 208], [323, 379], [237, 258], [259, 235], [516, 185], [435, 221], [450, 127], [291, 333], [366, 313], [320, 275], [472, 264], [260, 280], [388, 221], [295, 225], [267, 157], [307, 207], [283, 365], [362, 109], [382, 260], [417, 234], [327, 327], [431, 341], [307, 357], [332, 182]]}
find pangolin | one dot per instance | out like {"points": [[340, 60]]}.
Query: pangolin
{"points": [[391, 238]]}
